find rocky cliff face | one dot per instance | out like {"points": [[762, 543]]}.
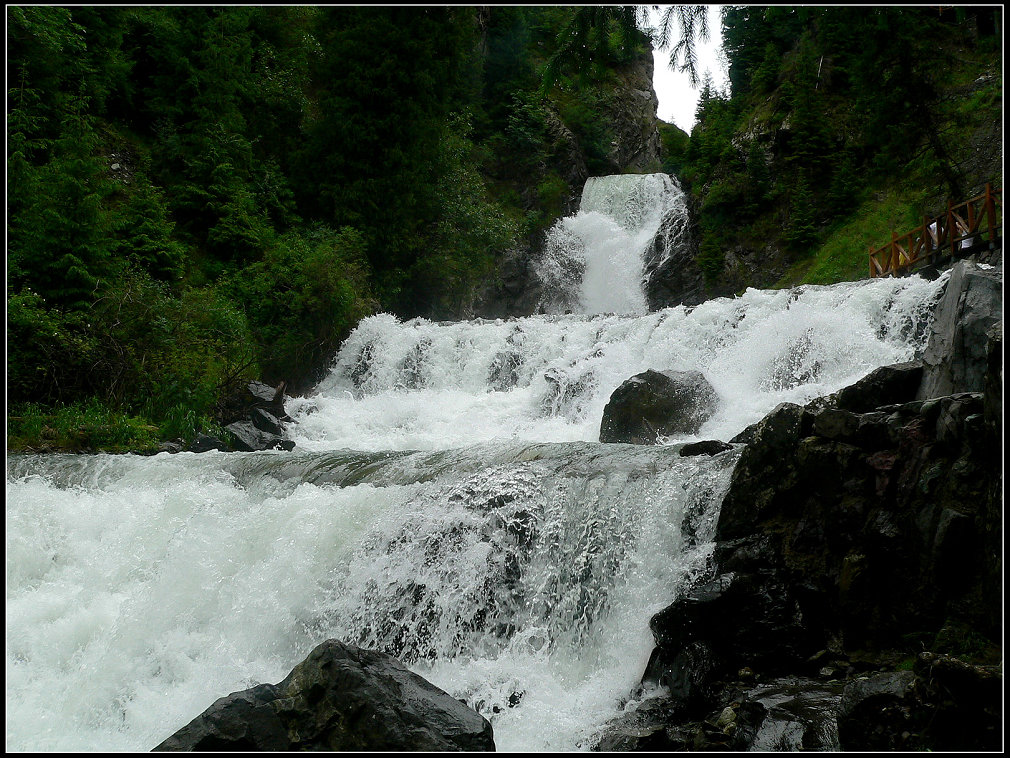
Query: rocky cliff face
{"points": [[631, 115]]}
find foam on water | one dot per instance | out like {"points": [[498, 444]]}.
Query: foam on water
{"points": [[425, 385], [594, 261], [447, 502], [142, 589]]}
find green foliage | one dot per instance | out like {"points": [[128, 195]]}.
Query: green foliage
{"points": [[59, 242], [301, 299], [471, 226], [711, 256], [765, 76], [202, 195], [674, 142], [843, 253], [49, 351], [801, 231], [89, 425], [584, 116], [847, 105], [595, 36]]}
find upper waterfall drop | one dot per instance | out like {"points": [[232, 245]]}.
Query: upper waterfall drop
{"points": [[598, 261]]}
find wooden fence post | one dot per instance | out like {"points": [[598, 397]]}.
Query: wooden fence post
{"points": [[990, 211], [894, 254], [950, 229]]}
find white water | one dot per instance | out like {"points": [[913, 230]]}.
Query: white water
{"points": [[447, 502], [142, 589], [423, 385], [594, 261]]}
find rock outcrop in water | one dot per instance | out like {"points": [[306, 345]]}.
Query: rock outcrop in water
{"points": [[859, 545], [256, 419], [657, 404], [339, 698]]}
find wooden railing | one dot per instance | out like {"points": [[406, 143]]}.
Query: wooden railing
{"points": [[960, 231]]}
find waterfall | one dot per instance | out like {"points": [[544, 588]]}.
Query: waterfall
{"points": [[422, 385], [447, 502], [597, 260]]}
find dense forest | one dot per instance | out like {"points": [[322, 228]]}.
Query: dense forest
{"points": [[198, 196], [839, 126]]}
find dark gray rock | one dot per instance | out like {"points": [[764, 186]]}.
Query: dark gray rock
{"points": [[658, 403], [271, 399], [798, 714], [956, 357], [249, 439], [266, 421], [567, 390], [503, 374], [696, 642], [859, 526], [957, 706], [874, 711], [340, 698], [631, 117], [705, 447], [204, 443], [887, 385]]}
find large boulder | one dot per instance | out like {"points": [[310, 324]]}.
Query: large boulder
{"points": [[249, 438], [886, 385], [696, 643], [340, 698], [257, 418], [956, 357], [657, 404]]}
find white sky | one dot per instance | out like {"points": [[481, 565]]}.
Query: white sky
{"points": [[677, 100]]}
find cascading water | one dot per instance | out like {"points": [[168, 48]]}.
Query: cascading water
{"points": [[596, 260], [447, 502]]}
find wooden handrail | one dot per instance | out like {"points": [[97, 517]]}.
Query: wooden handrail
{"points": [[944, 234]]}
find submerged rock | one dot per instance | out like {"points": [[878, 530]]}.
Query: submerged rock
{"points": [[657, 404], [339, 698]]}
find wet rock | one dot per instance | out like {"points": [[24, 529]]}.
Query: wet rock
{"points": [[270, 399], [874, 712], [867, 517], [249, 439], [957, 705], [255, 418], [567, 391], [412, 366], [503, 374], [642, 728], [797, 714], [266, 421], [204, 443], [339, 698], [887, 385], [657, 403], [956, 357], [705, 447], [695, 644]]}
